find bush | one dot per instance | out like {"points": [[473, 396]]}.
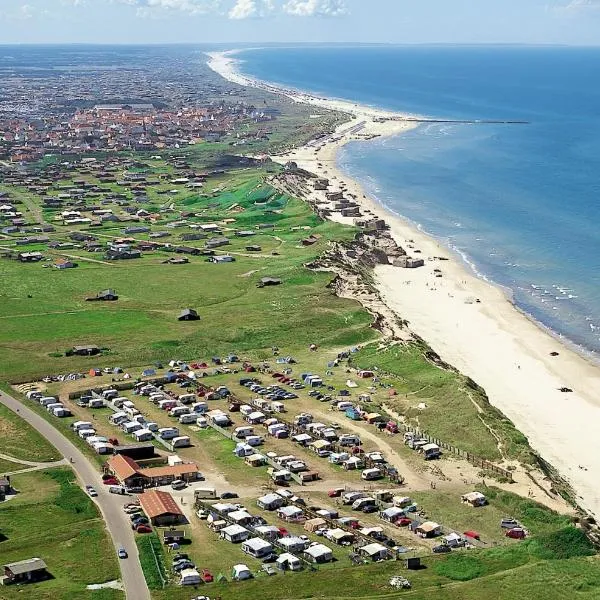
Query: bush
{"points": [[564, 543]]}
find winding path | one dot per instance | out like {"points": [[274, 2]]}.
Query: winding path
{"points": [[115, 519]]}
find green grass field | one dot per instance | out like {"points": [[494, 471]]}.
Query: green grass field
{"points": [[53, 519], [19, 440]]}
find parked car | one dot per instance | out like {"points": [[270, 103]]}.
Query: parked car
{"points": [[178, 484], [370, 508], [269, 558], [144, 529], [402, 522], [228, 495], [335, 493], [509, 523], [110, 481], [91, 491], [442, 549], [180, 556], [122, 553]]}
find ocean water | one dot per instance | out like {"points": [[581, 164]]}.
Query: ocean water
{"points": [[519, 202]]}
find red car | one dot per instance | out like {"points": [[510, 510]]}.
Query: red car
{"points": [[403, 522], [283, 532], [144, 529], [335, 493], [110, 481], [357, 450], [516, 533], [206, 576]]}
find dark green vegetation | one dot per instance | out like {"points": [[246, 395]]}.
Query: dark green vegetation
{"points": [[451, 398], [152, 560], [19, 440], [52, 518]]}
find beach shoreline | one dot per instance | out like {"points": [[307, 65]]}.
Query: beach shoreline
{"points": [[470, 322]]}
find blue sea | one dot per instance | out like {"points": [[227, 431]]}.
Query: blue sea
{"points": [[520, 203]]}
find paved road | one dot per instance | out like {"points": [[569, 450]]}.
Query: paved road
{"points": [[110, 505]]}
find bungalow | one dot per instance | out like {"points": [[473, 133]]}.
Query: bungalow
{"points": [[30, 256], [64, 264], [268, 281], [235, 534], [106, 296], [25, 571], [173, 536], [225, 258], [319, 553], [270, 502], [257, 547], [188, 314], [83, 351]]}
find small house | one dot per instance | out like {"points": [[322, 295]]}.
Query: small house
{"points": [[25, 571], [188, 314], [173, 536]]}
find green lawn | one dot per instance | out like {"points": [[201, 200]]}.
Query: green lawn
{"points": [[19, 440], [52, 518]]}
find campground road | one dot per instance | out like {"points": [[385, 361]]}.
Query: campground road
{"points": [[116, 520]]}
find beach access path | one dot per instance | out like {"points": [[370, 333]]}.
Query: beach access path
{"points": [[111, 506]]}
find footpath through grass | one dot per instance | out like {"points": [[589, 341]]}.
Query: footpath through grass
{"points": [[53, 519]]}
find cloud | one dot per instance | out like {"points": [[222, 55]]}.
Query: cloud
{"points": [[578, 6], [192, 7], [315, 8], [248, 9]]}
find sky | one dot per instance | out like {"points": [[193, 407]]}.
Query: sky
{"points": [[575, 22]]}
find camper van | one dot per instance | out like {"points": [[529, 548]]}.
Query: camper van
{"points": [[200, 493], [180, 441], [61, 412], [254, 440], [242, 432], [168, 433], [187, 419], [53, 405], [110, 394], [371, 474], [187, 398], [96, 403], [177, 411], [45, 400], [131, 411], [78, 425], [118, 418], [349, 439], [117, 489], [120, 401], [86, 433], [278, 407], [200, 407]]}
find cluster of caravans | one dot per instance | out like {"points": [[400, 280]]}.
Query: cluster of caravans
{"points": [[50, 403]]}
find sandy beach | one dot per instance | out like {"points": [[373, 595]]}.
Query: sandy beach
{"points": [[469, 322]]}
